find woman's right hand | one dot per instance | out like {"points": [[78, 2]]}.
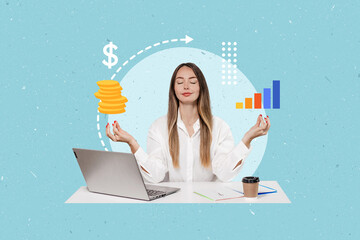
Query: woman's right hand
{"points": [[119, 135]]}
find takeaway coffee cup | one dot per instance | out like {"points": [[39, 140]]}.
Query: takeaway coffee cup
{"points": [[250, 186]]}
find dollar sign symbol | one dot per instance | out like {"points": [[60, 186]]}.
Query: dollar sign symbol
{"points": [[110, 55]]}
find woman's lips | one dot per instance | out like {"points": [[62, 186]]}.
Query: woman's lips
{"points": [[186, 94]]}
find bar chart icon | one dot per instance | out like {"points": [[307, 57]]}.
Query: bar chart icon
{"points": [[263, 101]]}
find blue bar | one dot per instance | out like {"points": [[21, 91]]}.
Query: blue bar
{"points": [[276, 94], [267, 98]]}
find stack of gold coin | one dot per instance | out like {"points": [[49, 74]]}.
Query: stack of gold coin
{"points": [[112, 102]]}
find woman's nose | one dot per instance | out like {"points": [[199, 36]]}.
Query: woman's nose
{"points": [[186, 85]]}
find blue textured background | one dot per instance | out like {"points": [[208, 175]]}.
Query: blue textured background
{"points": [[51, 56]]}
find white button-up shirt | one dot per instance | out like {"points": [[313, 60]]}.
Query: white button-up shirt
{"points": [[224, 155]]}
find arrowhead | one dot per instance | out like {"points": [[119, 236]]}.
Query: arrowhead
{"points": [[188, 39]]}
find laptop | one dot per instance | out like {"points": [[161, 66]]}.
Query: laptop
{"points": [[117, 173]]}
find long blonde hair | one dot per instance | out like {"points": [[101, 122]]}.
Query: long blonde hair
{"points": [[205, 116]]}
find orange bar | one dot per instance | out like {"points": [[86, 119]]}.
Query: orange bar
{"points": [[239, 105], [257, 100], [248, 103]]}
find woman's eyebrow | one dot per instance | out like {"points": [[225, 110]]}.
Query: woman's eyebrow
{"points": [[183, 78]]}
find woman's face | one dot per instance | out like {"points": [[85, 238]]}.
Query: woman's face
{"points": [[187, 86]]}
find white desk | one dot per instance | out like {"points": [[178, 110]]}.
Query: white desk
{"points": [[185, 195]]}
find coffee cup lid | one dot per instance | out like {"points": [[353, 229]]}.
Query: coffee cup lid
{"points": [[250, 179]]}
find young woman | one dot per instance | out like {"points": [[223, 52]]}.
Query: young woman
{"points": [[189, 143]]}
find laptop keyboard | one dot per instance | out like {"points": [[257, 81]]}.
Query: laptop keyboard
{"points": [[155, 193]]}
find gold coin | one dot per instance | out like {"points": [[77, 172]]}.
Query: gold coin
{"points": [[111, 111], [109, 92], [116, 100], [108, 83], [119, 88], [107, 96], [112, 105]]}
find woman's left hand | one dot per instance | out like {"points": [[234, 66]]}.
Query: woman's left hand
{"points": [[260, 128]]}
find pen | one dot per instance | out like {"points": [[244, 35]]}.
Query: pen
{"points": [[260, 193]]}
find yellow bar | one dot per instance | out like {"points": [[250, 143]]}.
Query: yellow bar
{"points": [[248, 103], [239, 105]]}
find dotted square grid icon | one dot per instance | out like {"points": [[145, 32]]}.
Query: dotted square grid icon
{"points": [[229, 54]]}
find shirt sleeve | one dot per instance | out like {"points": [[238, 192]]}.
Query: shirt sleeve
{"points": [[153, 161], [227, 156]]}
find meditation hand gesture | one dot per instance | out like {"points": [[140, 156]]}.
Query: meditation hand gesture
{"points": [[260, 128], [121, 135]]}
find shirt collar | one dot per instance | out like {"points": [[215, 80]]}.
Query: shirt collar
{"points": [[181, 124]]}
